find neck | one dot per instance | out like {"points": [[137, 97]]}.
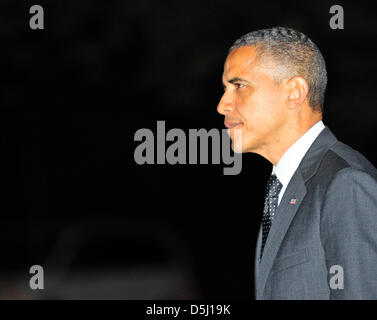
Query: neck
{"points": [[291, 134]]}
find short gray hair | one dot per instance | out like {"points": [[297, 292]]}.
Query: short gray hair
{"points": [[296, 53]]}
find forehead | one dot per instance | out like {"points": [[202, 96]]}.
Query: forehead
{"points": [[241, 60], [245, 63]]}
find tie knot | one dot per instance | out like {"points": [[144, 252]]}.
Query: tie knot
{"points": [[273, 186]]}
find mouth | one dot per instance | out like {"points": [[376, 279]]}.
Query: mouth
{"points": [[232, 125]]}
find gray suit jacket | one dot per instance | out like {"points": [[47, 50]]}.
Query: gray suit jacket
{"points": [[333, 222]]}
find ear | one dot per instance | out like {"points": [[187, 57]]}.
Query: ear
{"points": [[298, 90]]}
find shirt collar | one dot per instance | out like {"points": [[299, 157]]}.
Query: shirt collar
{"points": [[291, 159]]}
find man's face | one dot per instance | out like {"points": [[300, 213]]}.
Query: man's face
{"points": [[252, 101]]}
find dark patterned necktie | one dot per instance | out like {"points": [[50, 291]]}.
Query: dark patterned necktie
{"points": [[270, 205]]}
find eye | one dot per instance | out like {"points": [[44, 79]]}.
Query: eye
{"points": [[239, 85]]}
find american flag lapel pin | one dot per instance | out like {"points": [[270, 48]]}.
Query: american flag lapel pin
{"points": [[293, 201]]}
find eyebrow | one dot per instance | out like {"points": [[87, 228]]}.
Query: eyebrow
{"points": [[237, 79]]}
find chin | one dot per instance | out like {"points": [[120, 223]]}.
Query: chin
{"points": [[238, 148], [237, 140]]}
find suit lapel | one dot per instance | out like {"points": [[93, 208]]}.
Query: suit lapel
{"points": [[286, 211]]}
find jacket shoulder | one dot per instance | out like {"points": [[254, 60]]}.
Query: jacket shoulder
{"points": [[354, 159], [340, 160], [340, 157]]}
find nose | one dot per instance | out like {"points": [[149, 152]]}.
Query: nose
{"points": [[225, 105]]}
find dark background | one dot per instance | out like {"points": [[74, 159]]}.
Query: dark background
{"points": [[73, 96]]}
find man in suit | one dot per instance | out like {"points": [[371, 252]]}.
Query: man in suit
{"points": [[318, 236]]}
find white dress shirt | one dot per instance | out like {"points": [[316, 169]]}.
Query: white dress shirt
{"points": [[291, 159]]}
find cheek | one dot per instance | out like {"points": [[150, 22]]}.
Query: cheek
{"points": [[261, 110], [254, 111], [247, 107]]}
